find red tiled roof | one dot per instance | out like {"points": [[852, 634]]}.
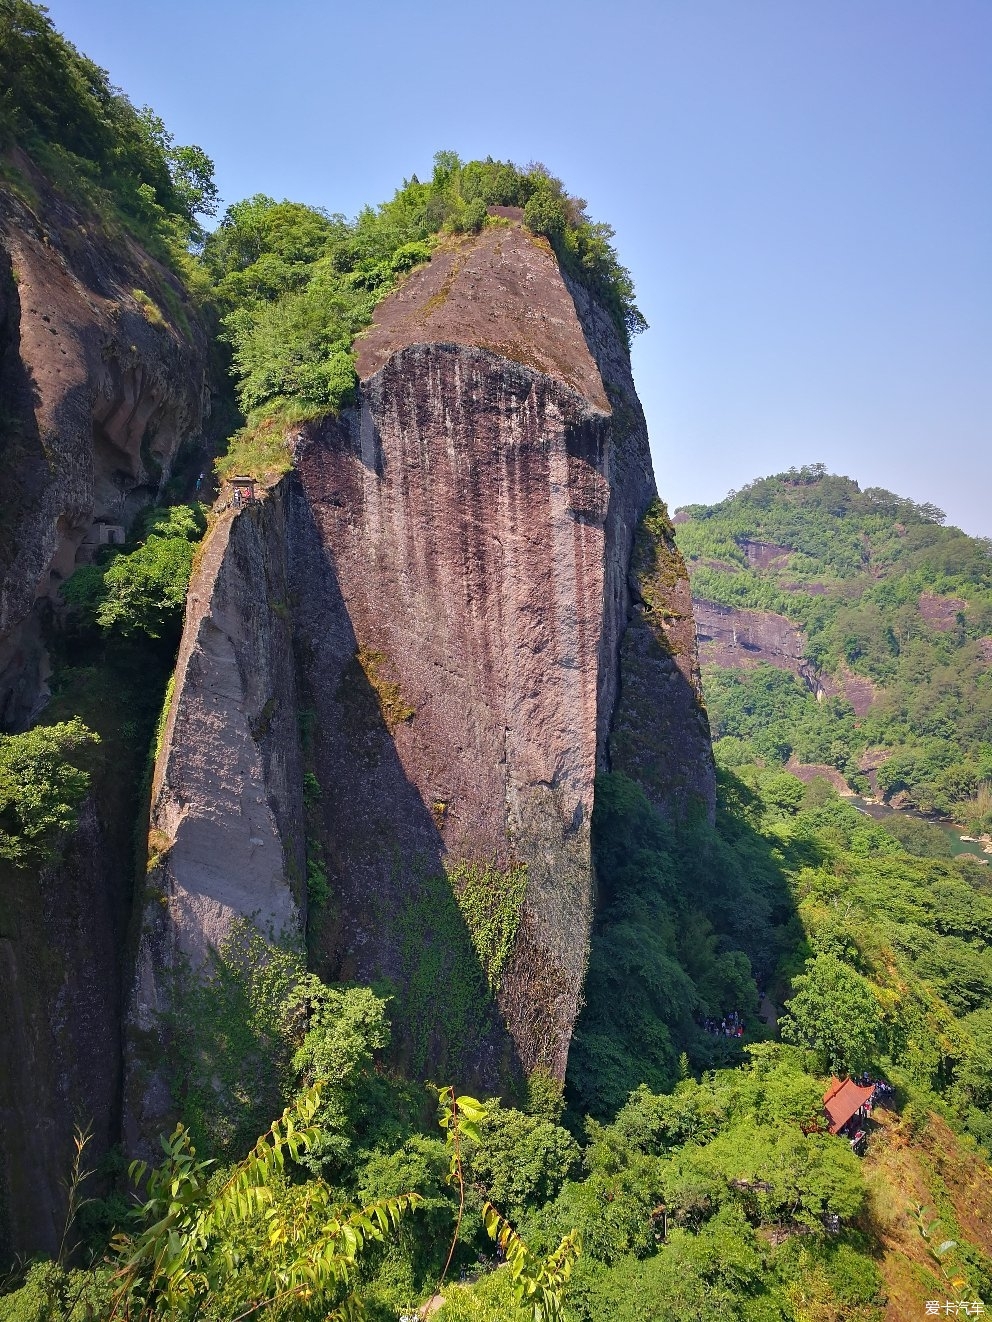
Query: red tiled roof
{"points": [[842, 1099]]}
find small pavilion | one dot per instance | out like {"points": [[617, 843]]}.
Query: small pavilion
{"points": [[843, 1100], [244, 490]]}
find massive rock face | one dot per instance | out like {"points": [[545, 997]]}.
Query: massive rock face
{"points": [[225, 840], [468, 616], [100, 385], [98, 390]]}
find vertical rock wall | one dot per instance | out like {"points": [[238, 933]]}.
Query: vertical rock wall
{"points": [[225, 838], [61, 947], [460, 515], [465, 561], [99, 390], [471, 528]]}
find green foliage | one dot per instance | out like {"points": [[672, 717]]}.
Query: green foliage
{"points": [[880, 589], [917, 837], [86, 134], [683, 918], [337, 1030], [490, 899], [519, 1160], [184, 1260], [246, 1037], [537, 1282], [834, 1012], [296, 284], [41, 787], [447, 1000], [51, 1292], [142, 591]]}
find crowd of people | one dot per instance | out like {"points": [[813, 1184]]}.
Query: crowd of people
{"points": [[731, 1025], [883, 1091]]}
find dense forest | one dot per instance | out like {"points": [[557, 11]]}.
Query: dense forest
{"points": [[685, 1170], [882, 591]]}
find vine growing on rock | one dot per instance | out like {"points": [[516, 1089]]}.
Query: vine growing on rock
{"points": [[490, 899]]}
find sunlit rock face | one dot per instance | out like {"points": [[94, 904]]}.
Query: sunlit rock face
{"points": [[464, 543], [407, 665]]}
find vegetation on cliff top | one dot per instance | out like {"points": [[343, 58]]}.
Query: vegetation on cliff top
{"points": [[291, 284], [693, 1164], [295, 284], [882, 591], [89, 138]]}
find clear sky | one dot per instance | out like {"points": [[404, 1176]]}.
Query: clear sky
{"points": [[801, 188]]}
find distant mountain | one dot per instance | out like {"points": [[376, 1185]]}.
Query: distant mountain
{"points": [[850, 631]]}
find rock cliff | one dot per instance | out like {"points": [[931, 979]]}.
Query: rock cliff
{"points": [[100, 386], [225, 838], [473, 643], [101, 383]]}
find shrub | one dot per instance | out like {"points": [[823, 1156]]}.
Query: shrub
{"points": [[142, 591], [41, 788]]}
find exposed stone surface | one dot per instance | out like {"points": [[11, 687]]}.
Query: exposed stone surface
{"points": [[858, 690], [941, 612], [500, 290], [98, 401], [459, 557], [477, 516], [870, 761], [61, 940], [463, 508], [765, 555], [742, 639], [728, 636], [226, 819]]}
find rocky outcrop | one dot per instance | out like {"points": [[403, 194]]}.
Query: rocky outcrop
{"points": [[468, 625], [943, 613], [736, 639], [661, 703], [474, 520], [765, 555], [101, 385], [225, 838], [102, 366], [731, 637]]}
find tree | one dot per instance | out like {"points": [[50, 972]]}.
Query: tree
{"points": [[40, 788], [142, 591], [190, 168], [835, 1012], [186, 1259]]}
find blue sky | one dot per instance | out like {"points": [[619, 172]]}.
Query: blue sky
{"points": [[802, 189]]}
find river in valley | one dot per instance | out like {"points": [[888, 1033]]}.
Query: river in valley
{"points": [[954, 833]]}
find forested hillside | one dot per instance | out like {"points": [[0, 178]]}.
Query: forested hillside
{"points": [[684, 1168], [891, 681]]}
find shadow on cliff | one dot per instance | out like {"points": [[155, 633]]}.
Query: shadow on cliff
{"points": [[21, 454], [692, 920], [392, 919]]}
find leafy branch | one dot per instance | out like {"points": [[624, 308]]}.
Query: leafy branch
{"points": [[538, 1283], [187, 1249]]}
